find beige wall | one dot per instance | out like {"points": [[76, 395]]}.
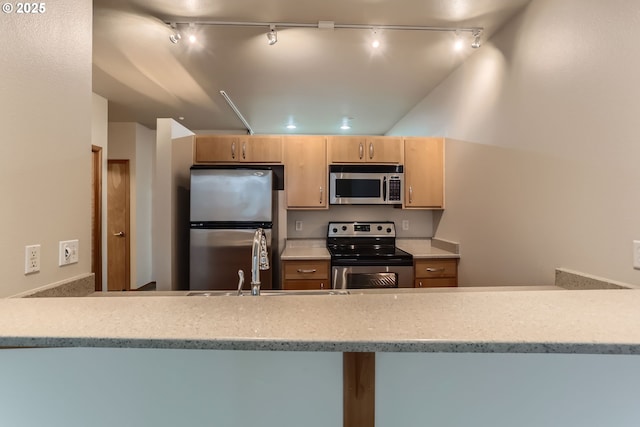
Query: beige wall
{"points": [[174, 156], [99, 137], [542, 156], [45, 153]]}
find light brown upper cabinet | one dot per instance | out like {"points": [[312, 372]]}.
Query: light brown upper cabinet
{"points": [[358, 149], [238, 148], [305, 160], [424, 173]]}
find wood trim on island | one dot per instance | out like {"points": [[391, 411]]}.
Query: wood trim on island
{"points": [[359, 389]]}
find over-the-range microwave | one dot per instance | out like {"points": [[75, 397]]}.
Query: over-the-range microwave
{"points": [[366, 184]]}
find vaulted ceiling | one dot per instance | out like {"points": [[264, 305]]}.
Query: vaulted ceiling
{"points": [[313, 78]]}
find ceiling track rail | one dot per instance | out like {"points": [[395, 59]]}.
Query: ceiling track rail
{"points": [[329, 25], [237, 112]]}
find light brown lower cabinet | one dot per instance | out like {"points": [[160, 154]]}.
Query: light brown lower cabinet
{"points": [[306, 275], [436, 273]]}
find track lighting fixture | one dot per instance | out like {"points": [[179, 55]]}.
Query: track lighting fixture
{"points": [[376, 42], [175, 35], [272, 35], [476, 38]]}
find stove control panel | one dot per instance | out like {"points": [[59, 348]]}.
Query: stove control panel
{"points": [[362, 229]]}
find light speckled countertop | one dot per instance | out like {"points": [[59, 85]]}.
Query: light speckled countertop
{"points": [[540, 321], [303, 249]]}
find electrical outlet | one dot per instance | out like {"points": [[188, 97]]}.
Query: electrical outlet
{"points": [[636, 254], [405, 224], [298, 225], [68, 252], [31, 259]]}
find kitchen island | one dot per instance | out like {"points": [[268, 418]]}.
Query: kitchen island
{"points": [[186, 357]]}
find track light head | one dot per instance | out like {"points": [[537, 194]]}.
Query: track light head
{"points": [[476, 39], [175, 34], [272, 35]]}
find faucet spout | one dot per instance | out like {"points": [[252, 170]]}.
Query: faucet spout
{"points": [[259, 259]]}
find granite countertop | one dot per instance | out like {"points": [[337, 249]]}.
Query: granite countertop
{"points": [[304, 249], [533, 321]]}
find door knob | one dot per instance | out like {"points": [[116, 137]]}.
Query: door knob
{"points": [[119, 234]]}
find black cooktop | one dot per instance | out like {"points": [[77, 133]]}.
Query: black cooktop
{"points": [[357, 243]]}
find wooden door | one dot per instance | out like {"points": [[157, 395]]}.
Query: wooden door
{"points": [[261, 149], [424, 173], [217, 148], [347, 149], [384, 149], [96, 215], [118, 270], [306, 172]]}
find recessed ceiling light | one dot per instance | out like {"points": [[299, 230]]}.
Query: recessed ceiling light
{"points": [[345, 127], [459, 44], [192, 38], [291, 126]]}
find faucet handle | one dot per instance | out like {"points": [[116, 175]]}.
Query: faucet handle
{"points": [[240, 281]]}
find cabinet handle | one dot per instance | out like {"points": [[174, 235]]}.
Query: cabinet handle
{"points": [[244, 150], [434, 270], [419, 284], [321, 195], [321, 285], [233, 150], [410, 194], [119, 234], [371, 150], [309, 271], [361, 151]]}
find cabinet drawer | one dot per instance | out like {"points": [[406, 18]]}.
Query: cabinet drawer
{"points": [[306, 270], [442, 282], [428, 268], [306, 285]]}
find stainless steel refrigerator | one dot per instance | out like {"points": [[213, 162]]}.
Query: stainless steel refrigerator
{"points": [[226, 208]]}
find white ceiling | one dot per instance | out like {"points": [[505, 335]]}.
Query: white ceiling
{"points": [[312, 77]]}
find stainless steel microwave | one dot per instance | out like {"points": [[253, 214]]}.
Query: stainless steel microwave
{"points": [[366, 184]]}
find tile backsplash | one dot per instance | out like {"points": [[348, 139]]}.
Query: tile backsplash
{"points": [[314, 223]]}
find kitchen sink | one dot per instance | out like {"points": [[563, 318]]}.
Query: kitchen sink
{"points": [[264, 293]]}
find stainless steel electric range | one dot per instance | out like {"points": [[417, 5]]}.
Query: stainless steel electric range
{"points": [[364, 255]]}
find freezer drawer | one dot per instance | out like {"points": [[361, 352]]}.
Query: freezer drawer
{"points": [[215, 256]]}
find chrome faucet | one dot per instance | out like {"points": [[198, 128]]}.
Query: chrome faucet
{"points": [[259, 259]]}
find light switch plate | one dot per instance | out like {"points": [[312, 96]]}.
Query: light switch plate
{"points": [[298, 225], [405, 224], [68, 252], [636, 254]]}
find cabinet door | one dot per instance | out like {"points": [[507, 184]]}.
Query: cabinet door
{"points": [[261, 149], [217, 148], [384, 149], [305, 172], [347, 149], [424, 173]]}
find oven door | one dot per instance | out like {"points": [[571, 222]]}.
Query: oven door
{"points": [[371, 277]]}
